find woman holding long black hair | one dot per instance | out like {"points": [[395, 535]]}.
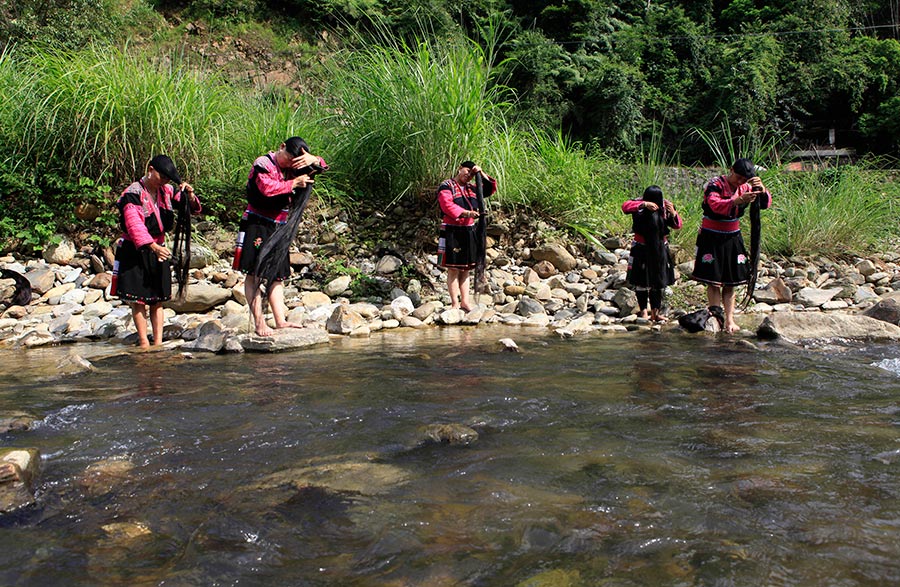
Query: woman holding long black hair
{"points": [[650, 268], [458, 248], [277, 189], [142, 275]]}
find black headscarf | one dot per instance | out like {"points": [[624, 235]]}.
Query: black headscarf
{"points": [[652, 226]]}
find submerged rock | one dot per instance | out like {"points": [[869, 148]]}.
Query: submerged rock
{"points": [[18, 470], [15, 422], [457, 434], [103, 476], [343, 476]]}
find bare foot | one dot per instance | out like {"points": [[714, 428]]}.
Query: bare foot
{"points": [[643, 315], [659, 319], [465, 308], [731, 328], [264, 330], [287, 324]]}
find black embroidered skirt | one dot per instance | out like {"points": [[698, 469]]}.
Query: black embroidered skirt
{"points": [[139, 276], [456, 247], [253, 232], [721, 258]]}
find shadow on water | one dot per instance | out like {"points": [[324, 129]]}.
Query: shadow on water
{"points": [[647, 459]]}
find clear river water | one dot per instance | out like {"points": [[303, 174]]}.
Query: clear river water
{"points": [[645, 459]]}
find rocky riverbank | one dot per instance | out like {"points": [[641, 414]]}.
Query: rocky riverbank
{"points": [[355, 281]]}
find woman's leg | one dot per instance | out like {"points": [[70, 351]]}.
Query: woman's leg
{"points": [[656, 305], [279, 309], [728, 295], [642, 296], [156, 321], [463, 279], [139, 316], [714, 295], [453, 287], [254, 300]]}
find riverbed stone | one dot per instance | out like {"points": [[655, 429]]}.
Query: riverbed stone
{"points": [[412, 322], [97, 310], [388, 264], [200, 297], [886, 309], [61, 252], [238, 293], [866, 267], [401, 307], [626, 300], [337, 286], [555, 254], [315, 299], [360, 476], [343, 320], [19, 469], [15, 422], [527, 306], [104, 476], [284, 339], [451, 316], [795, 326], [545, 269], [452, 433], [813, 297], [41, 279], [539, 291], [425, 310]]}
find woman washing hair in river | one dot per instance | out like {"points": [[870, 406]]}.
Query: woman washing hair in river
{"points": [[650, 267]]}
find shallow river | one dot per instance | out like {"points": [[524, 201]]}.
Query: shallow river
{"points": [[615, 461]]}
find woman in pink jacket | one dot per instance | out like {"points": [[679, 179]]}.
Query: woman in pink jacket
{"points": [[142, 275], [457, 246]]}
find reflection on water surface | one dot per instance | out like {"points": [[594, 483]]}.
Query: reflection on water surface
{"points": [[637, 460]]}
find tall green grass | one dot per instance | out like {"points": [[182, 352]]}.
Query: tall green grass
{"points": [[104, 112], [405, 115], [830, 212]]}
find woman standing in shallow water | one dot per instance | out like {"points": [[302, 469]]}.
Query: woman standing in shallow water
{"points": [[650, 268], [722, 261], [142, 274], [457, 244]]}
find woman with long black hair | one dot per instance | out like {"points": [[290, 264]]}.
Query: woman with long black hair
{"points": [[722, 261], [650, 268], [277, 189], [458, 245], [142, 274]]}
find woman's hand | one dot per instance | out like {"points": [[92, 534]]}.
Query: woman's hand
{"points": [[649, 206], [161, 252], [301, 181], [670, 207], [304, 160], [469, 214], [186, 188]]}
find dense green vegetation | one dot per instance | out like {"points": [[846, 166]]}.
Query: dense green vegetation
{"points": [[574, 106]]}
